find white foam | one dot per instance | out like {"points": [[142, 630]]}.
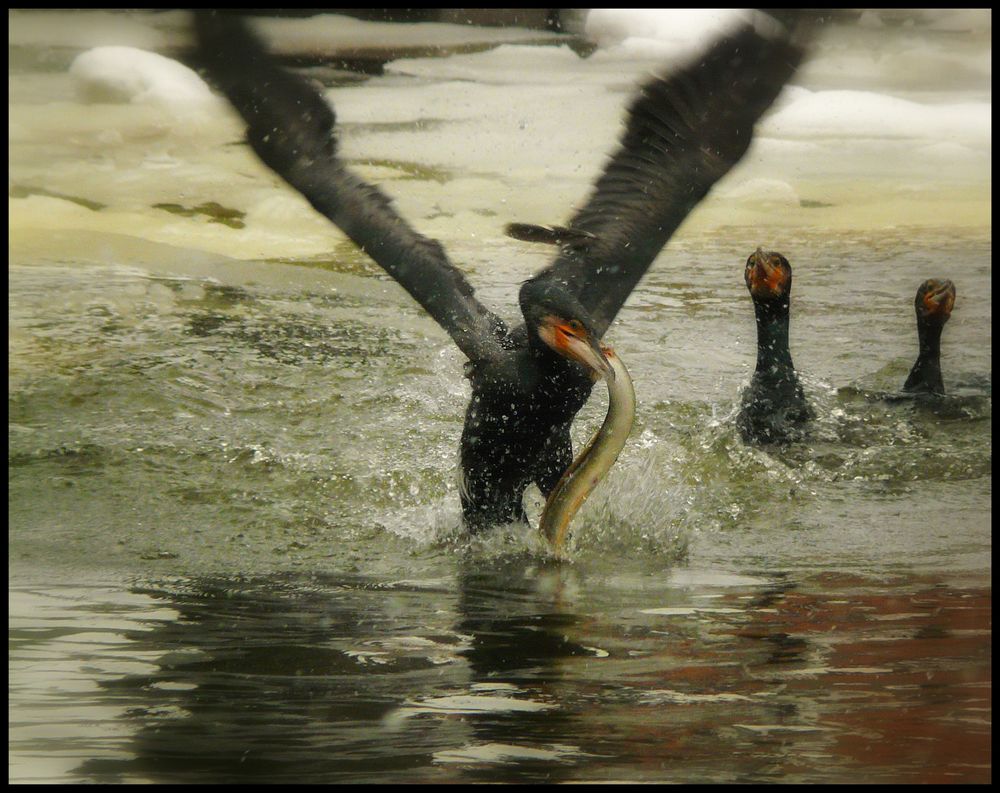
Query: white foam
{"points": [[127, 75], [687, 29], [762, 190], [517, 133], [863, 114]]}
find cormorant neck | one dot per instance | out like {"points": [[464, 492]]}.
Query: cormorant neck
{"points": [[773, 354], [926, 372]]}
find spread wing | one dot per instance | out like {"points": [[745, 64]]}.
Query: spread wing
{"points": [[291, 128], [683, 133]]}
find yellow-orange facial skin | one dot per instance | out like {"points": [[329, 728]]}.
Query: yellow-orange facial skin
{"points": [[767, 274], [938, 299], [570, 339]]}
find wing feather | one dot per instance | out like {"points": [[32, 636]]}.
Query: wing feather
{"points": [[684, 132], [291, 128]]}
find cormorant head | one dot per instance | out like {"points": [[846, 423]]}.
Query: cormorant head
{"points": [[768, 276], [934, 302], [557, 319]]}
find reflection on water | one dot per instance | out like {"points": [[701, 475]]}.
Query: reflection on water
{"points": [[521, 673]]}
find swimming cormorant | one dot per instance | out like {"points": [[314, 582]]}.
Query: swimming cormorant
{"points": [[934, 302], [684, 131], [773, 408]]}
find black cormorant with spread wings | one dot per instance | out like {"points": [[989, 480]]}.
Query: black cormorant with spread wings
{"points": [[684, 131]]}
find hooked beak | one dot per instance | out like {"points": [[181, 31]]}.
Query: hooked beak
{"points": [[588, 352], [578, 345], [940, 298]]}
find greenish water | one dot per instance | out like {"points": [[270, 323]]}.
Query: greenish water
{"points": [[235, 540]]}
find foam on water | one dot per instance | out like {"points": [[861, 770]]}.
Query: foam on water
{"points": [[660, 30], [127, 74], [847, 115], [816, 147]]}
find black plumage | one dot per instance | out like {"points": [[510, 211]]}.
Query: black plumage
{"points": [[933, 303], [773, 407]]}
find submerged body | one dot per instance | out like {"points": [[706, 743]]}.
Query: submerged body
{"points": [[538, 445], [523, 402], [934, 302], [773, 407], [517, 433]]}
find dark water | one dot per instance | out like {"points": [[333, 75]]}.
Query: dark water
{"points": [[506, 671], [234, 545]]}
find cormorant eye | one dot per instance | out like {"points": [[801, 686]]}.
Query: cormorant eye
{"points": [[575, 325]]}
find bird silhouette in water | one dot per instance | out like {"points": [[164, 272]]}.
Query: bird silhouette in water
{"points": [[773, 408], [684, 131], [934, 301]]}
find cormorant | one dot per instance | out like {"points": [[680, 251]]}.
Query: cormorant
{"points": [[684, 132], [934, 302], [773, 408]]}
